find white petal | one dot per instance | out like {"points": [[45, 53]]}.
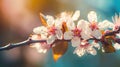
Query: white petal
{"points": [[118, 34], [43, 36], [96, 45], [103, 49], [51, 39], [59, 34], [117, 46], [75, 41], [40, 30], [70, 25], [85, 35], [79, 51], [105, 25], [92, 16], [45, 50], [63, 14], [40, 50], [58, 23], [76, 15], [96, 33], [50, 20], [68, 35], [82, 24], [36, 37], [36, 45], [91, 51]]}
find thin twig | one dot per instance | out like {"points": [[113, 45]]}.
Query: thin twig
{"points": [[26, 42], [13, 45]]}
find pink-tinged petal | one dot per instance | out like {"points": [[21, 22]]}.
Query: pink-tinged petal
{"points": [[51, 39], [91, 50], [68, 35], [116, 21], [50, 20], [79, 51], [70, 25], [76, 15], [92, 16], [75, 41], [96, 33], [117, 46], [59, 34], [82, 24]]}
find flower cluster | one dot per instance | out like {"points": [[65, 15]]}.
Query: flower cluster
{"points": [[85, 35]]}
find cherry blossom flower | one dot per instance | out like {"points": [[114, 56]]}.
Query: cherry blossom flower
{"points": [[78, 34], [68, 18], [42, 31], [84, 26], [95, 32], [105, 25], [84, 48], [64, 17], [74, 36], [52, 31], [42, 47], [55, 33]]}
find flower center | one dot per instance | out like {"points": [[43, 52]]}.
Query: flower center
{"points": [[116, 27], [76, 32], [52, 30], [93, 26]]}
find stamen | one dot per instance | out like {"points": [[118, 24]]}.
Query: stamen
{"points": [[76, 32], [93, 26]]}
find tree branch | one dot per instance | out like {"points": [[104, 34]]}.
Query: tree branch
{"points": [[29, 41], [113, 32], [14, 45]]}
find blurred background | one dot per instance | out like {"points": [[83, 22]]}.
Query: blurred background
{"points": [[19, 17]]}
